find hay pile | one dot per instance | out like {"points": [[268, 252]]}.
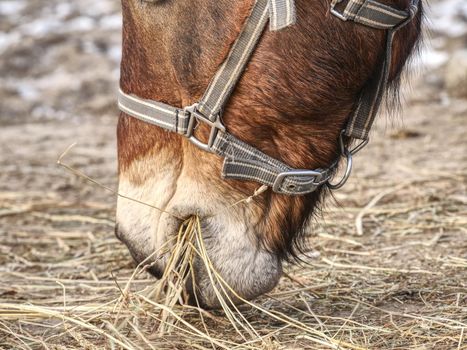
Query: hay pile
{"points": [[389, 266], [389, 276]]}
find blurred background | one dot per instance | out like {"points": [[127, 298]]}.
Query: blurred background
{"points": [[404, 208], [59, 69]]}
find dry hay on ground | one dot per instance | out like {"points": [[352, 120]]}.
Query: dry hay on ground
{"points": [[389, 276]]}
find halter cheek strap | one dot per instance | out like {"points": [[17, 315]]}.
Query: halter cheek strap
{"points": [[242, 161], [379, 16]]}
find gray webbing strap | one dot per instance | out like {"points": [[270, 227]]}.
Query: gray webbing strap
{"points": [[245, 162], [152, 112], [374, 14], [361, 121], [282, 14], [380, 16], [230, 71], [242, 161]]}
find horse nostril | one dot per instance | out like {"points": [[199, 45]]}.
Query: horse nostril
{"points": [[134, 247], [155, 271], [192, 297], [117, 233]]}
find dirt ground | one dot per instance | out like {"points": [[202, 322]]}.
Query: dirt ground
{"points": [[390, 253]]}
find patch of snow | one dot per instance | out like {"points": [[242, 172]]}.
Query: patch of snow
{"points": [[11, 7], [111, 22], [33, 89], [449, 17], [446, 19], [64, 10], [8, 39], [97, 8], [41, 27], [432, 58], [115, 53], [81, 24], [47, 112], [28, 92]]}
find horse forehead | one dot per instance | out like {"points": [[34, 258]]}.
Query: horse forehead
{"points": [[199, 47]]}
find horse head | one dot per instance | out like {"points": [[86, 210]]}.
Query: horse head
{"points": [[292, 101]]}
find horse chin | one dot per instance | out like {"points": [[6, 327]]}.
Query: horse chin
{"points": [[229, 237], [246, 269]]}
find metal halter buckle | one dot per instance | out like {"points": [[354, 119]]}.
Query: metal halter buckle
{"points": [[335, 12], [347, 154], [276, 187], [196, 117]]}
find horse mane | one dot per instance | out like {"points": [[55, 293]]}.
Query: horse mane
{"points": [[407, 43]]}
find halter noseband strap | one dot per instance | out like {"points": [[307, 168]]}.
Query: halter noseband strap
{"points": [[243, 161]]}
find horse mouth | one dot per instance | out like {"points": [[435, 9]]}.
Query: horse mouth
{"points": [[155, 271]]}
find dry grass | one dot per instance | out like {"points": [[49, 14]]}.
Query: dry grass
{"points": [[388, 269], [390, 274]]}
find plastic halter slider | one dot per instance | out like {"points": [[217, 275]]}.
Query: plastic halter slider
{"points": [[195, 118]]}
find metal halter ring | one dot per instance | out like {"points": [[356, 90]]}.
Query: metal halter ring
{"points": [[347, 154], [348, 170]]}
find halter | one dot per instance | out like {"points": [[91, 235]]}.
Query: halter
{"points": [[244, 162]]}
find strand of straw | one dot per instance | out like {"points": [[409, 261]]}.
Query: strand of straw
{"points": [[107, 188], [278, 315], [177, 270], [81, 174]]}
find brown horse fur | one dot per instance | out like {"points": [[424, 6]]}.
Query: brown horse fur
{"points": [[291, 103]]}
